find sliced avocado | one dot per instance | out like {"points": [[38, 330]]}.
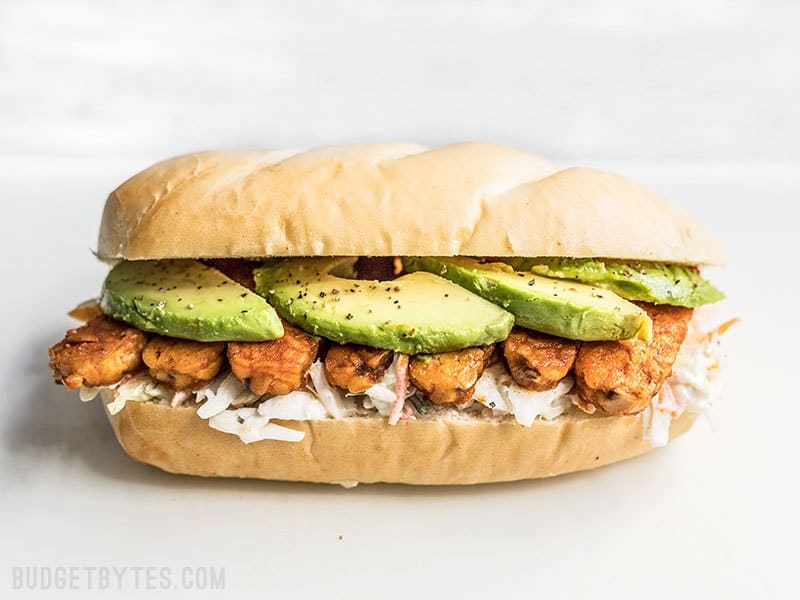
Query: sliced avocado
{"points": [[416, 313], [565, 309], [187, 299], [658, 283]]}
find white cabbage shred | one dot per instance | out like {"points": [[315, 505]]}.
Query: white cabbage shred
{"points": [[294, 406], [496, 390], [382, 396], [252, 427], [328, 394], [139, 388], [230, 391], [252, 424], [656, 424], [87, 394]]}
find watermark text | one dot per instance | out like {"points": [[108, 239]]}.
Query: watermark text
{"points": [[115, 577]]}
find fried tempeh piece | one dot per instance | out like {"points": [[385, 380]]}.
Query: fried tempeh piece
{"points": [[183, 364], [538, 361], [277, 366], [356, 368], [450, 377], [622, 377], [98, 353]]}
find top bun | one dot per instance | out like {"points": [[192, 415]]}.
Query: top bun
{"points": [[468, 199]]}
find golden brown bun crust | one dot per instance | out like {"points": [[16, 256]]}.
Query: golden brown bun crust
{"points": [[369, 450], [392, 199]]}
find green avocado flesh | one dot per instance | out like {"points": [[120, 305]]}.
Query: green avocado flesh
{"points": [[187, 299], [658, 283], [564, 309], [417, 313]]}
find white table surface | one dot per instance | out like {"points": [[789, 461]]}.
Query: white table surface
{"points": [[703, 95], [715, 515]]}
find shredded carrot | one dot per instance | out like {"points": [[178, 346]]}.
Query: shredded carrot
{"points": [[86, 311], [400, 388], [721, 329]]}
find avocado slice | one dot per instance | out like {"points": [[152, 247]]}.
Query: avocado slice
{"points": [[413, 314], [187, 299], [564, 309], [659, 283]]}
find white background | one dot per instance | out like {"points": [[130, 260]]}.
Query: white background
{"points": [[697, 100]]}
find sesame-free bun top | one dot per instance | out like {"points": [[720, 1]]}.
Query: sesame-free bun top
{"points": [[470, 199]]}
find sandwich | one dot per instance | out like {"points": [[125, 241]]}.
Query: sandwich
{"points": [[393, 313]]}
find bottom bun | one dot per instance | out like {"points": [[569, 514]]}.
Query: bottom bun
{"points": [[369, 450]]}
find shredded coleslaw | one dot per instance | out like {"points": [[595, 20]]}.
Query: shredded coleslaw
{"points": [[496, 390], [230, 407], [695, 382]]}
